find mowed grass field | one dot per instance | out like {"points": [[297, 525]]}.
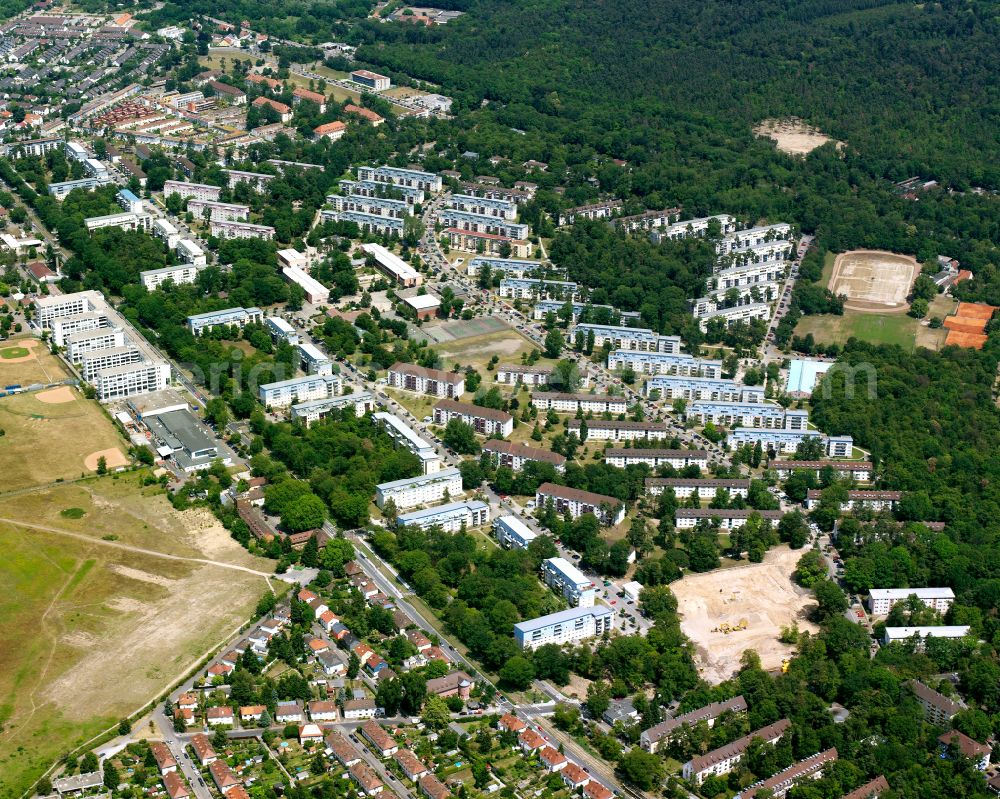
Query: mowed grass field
{"points": [[47, 441], [25, 360]]}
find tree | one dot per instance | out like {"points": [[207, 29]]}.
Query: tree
{"points": [[643, 769], [353, 665], [307, 513], [102, 465], [704, 552], [220, 740], [639, 535], [310, 553], [810, 569], [124, 727], [111, 776], [89, 763], [831, 598], [554, 343], [793, 529], [436, 713], [517, 673], [460, 437]]}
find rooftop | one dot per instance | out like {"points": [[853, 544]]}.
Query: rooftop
{"points": [[598, 611]]}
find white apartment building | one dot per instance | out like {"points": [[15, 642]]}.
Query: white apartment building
{"points": [[694, 227], [705, 488], [189, 251], [435, 382], [315, 410], [281, 331], [219, 212], [789, 440], [603, 210], [314, 361], [576, 588], [371, 188], [755, 236], [578, 309], [372, 80], [526, 288], [608, 510], [510, 374], [781, 783], [126, 221], [104, 338], [66, 326], [564, 627], [737, 313], [860, 471], [921, 634], [747, 414], [585, 403], [367, 221], [484, 206], [256, 180], [132, 379], [693, 388], [299, 389], [515, 456], [485, 421], [640, 339], [882, 600], [162, 229], [655, 458], [859, 498], [773, 252], [179, 274], [92, 363], [730, 518], [721, 761], [240, 230], [393, 266], [661, 363], [512, 533], [404, 436], [509, 267], [451, 518], [601, 430], [196, 191], [421, 490], [407, 178], [229, 317]]}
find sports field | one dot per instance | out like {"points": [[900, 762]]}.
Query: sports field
{"points": [[52, 435], [94, 621], [25, 361], [874, 280]]}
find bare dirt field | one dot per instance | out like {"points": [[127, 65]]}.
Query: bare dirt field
{"points": [[113, 459], [761, 593], [793, 136], [38, 366], [56, 396], [874, 280]]}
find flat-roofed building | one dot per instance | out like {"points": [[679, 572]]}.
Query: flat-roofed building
{"points": [[747, 414], [421, 490], [938, 708], [736, 313], [515, 456], [126, 221], [371, 188], [196, 191], [614, 430], [450, 518], [492, 244], [104, 338], [721, 761], [314, 291], [371, 80], [608, 510], [529, 288], [218, 212], [705, 488], [576, 588], [781, 783], [165, 231], [584, 403], [314, 361], [131, 379], [281, 331], [315, 410], [435, 382], [648, 220], [861, 471], [226, 317], [640, 339], [64, 327], [393, 266], [484, 206], [485, 421], [579, 311], [410, 178], [403, 435], [422, 306], [882, 600], [182, 436], [688, 228], [662, 363], [60, 189], [179, 274], [729, 518], [695, 388], [775, 441], [919, 635], [507, 267], [511, 374], [564, 627], [92, 363], [655, 458], [50, 308], [299, 389], [753, 237], [512, 533], [188, 250], [482, 223], [240, 230]]}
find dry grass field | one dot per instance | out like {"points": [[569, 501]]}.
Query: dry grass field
{"points": [[26, 360], [761, 593], [793, 136], [874, 280]]}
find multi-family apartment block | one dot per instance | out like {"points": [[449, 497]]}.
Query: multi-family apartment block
{"points": [[197, 191], [705, 488], [919, 635], [580, 311], [313, 360], [126, 221], [695, 227], [284, 393], [491, 244], [526, 288], [576, 588], [404, 436], [861, 471], [512, 533], [189, 251], [938, 708], [661, 734], [227, 317], [662, 363], [240, 230], [515, 456], [694, 388], [721, 761], [482, 223], [640, 339], [435, 382], [281, 331], [614, 430], [179, 274], [789, 440], [421, 490], [648, 220], [781, 783], [857, 499], [655, 458], [608, 510], [450, 518], [407, 178], [746, 414], [602, 210], [484, 206], [729, 518], [370, 188], [882, 600], [508, 267], [485, 421], [309, 412], [585, 403], [218, 212], [256, 180], [736, 313], [565, 627], [753, 237], [510, 374]]}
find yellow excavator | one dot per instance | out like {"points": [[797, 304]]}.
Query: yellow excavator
{"points": [[727, 628]]}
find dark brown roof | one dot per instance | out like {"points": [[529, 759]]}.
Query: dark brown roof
{"points": [[467, 409], [932, 697], [617, 452], [768, 734], [421, 371], [969, 747], [565, 492], [736, 705], [521, 451], [870, 790]]}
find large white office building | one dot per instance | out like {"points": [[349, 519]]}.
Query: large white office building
{"points": [[404, 436], [882, 600], [662, 363], [135, 378], [695, 388], [66, 326], [512, 533], [197, 191], [576, 588], [655, 458], [450, 518], [179, 274], [421, 490], [640, 339], [96, 361], [85, 341], [565, 627], [299, 389]]}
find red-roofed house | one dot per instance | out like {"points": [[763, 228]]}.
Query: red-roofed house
{"points": [[574, 776], [594, 790], [203, 749], [301, 94], [175, 786], [284, 111], [411, 765], [511, 723], [165, 761], [530, 741], [330, 130], [252, 712], [310, 732], [364, 113], [217, 716], [553, 759], [223, 776], [323, 710]]}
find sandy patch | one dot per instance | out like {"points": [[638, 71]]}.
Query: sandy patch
{"points": [[143, 576], [126, 604], [793, 136], [114, 458], [874, 280], [56, 396], [27, 343], [761, 593]]}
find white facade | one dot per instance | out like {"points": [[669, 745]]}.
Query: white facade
{"points": [[191, 252], [485, 421], [737, 313], [601, 430], [197, 191], [482, 223], [403, 435], [450, 518], [512, 533], [239, 317], [127, 381], [576, 588], [393, 266], [608, 510], [281, 331], [105, 338], [219, 212], [585, 403], [315, 292], [299, 389], [409, 178], [694, 388], [180, 274], [64, 327], [729, 518], [564, 627], [527, 288], [314, 410], [510, 375], [744, 414], [484, 206], [661, 363], [923, 633], [684, 487], [314, 361], [162, 229], [240, 230], [640, 339], [127, 221], [421, 490], [256, 180], [881, 600], [789, 440], [92, 363], [435, 382], [654, 458]]}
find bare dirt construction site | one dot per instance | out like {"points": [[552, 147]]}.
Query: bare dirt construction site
{"points": [[761, 593], [874, 280], [793, 136]]}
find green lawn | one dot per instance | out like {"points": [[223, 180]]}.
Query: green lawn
{"points": [[13, 352], [874, 328]]}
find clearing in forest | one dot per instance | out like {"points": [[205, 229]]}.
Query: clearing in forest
{"points": [[874, 280]]}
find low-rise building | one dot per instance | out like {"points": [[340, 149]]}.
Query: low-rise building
{"points": [[435, 382], [583, 403], [393, 266], [882, 600], [512, 533], [485, 421], [411, 765], [721, 761], [179, 274], [365, 779], [220, 716], [515, 456], [919, 635], [377, 736], [873, 789], [615, 430], [705, 488], [576, 588], [432, 788], [608, 510], [955, 741], [360, 709], [655, 458], [421, 490], [661, 734], [450, 518], [781, 783], [341, 748], [564, 627], [457, 683], [203, 749], [228, 317]]}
